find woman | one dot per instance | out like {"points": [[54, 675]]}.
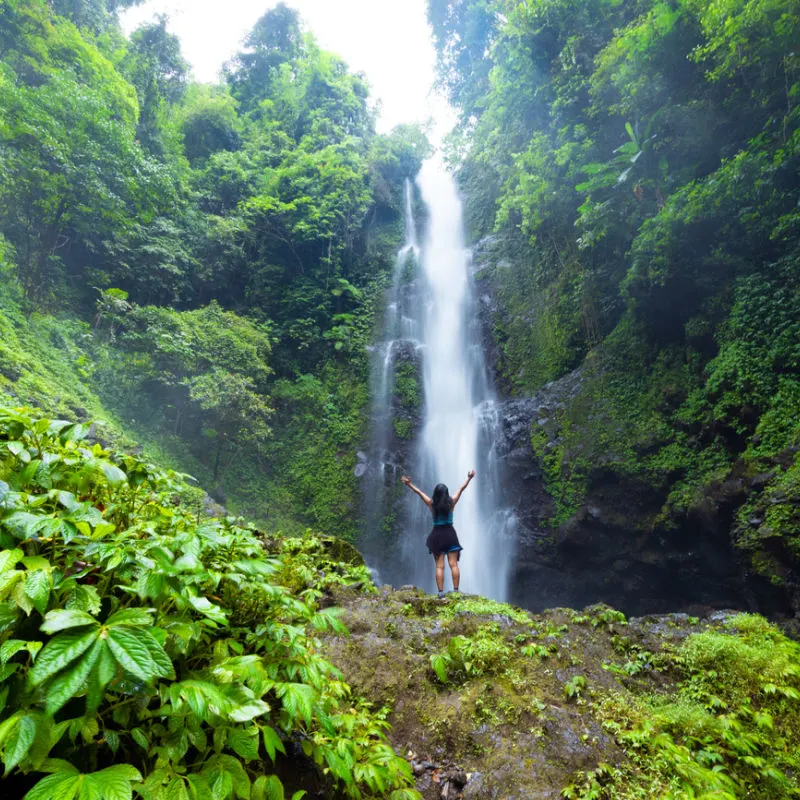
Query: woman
{"points": [[443, 538]]}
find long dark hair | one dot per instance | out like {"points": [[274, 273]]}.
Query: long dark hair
{"points": [[441, 504]]}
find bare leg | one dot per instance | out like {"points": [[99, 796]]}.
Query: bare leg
{"points": [[440, 571], [452, 560]]}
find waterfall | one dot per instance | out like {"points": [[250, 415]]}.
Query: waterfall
{"points": [[432, 323], [380, 470]]}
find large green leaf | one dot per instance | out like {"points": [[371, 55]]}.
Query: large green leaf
{"points": [[8, 616], [132, 653], [177, 790], [142, 617], [207, 700], [24, 525], [8, 582], [272, 742], [36, 562], [103, 673], [225, 768], [19, 450], [18, 594], [60, 652], [112, 783], [9, 559], [10, 648], [62, 785], [247, 711], [267, 787], [207, 608], [72, 681], [298, 699], [162, 661], [37, 588], [19, 742], [114, 475], [63, 619], [244, 742]]}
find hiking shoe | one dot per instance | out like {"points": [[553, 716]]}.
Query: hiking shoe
{"points": [[442, 593]]}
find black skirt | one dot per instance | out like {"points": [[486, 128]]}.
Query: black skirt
{"points": [[443, 539]]}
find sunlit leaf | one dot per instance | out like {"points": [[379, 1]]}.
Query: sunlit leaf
{"points": [[208, 609], [63, 619], [37, 587], [132, 616], [19, 742], [60, 652], [268, 787], [114, 475], [272, 742], [60, 785], [9, 559], [132, 653]]}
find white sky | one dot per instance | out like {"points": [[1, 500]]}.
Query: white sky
{"points": [[388, 40]]}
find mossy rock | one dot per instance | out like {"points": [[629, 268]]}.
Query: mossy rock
{"points": [[340, 550], [533, 705]]}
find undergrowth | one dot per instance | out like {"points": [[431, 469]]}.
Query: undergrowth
{"points": [[146, 649], [729, 731]]}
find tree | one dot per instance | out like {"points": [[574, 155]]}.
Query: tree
{"points": [[70, 165], [275, 40], [155, 66], [208, 369], [209, 122]]}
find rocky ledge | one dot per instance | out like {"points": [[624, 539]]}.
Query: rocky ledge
{"points": [[489, 701]]}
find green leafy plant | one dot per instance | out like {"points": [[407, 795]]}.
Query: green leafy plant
{"points": [[575, 687], [123, 646], [483, 653]]}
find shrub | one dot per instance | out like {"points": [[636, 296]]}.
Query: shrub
{"points": [[127, 661]]}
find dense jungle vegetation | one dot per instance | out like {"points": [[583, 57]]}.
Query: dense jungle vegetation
{"points": [[636, 163], [146, 646], [197, 265], [189, 275]]}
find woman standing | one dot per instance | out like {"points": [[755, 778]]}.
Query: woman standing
{"points": [[443, 538]]}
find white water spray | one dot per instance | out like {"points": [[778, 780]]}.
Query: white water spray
{"points": [[432, 321], [459, 421]]}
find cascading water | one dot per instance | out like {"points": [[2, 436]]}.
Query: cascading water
{"points": [[380, 470], [432, 322]]}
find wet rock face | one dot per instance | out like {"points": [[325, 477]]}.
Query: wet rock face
{"points": [[609, 551], [505, 726], [524, 488], [481, 736]]}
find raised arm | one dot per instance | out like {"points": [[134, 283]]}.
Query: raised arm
{"points": [[425, 499], [457, 495]]}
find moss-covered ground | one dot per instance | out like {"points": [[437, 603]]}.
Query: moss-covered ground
{"points": [[576, 704]]}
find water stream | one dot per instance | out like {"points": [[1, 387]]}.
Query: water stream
{"points": [[432, 324]]}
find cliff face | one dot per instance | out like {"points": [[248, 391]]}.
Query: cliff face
{"points": [[614, 502]]}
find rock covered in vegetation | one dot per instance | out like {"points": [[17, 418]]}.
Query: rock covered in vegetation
{"points": [[488, 701]]}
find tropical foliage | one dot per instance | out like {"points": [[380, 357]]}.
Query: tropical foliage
{"points": [[147, 649], [223, 241]]}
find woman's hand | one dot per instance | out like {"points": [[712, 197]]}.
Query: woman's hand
{"points": [[406, 480], [470, 474]]}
